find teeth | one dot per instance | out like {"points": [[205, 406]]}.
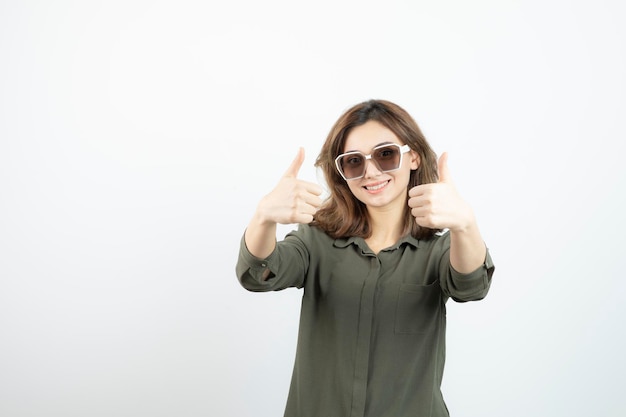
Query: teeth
{"points": [[376, 187]]}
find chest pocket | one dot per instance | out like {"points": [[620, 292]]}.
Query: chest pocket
{"points": [[418, 309]]}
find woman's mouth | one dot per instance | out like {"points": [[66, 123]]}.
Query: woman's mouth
{"points": [[376, 187]]}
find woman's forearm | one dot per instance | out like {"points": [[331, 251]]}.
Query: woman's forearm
{"points": [[260, 237], [467, 249]]}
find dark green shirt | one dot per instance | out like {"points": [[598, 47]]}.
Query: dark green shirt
{"points": [[372, 327]]}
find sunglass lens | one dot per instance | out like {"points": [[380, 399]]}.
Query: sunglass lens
{"points": [[387, 157], [352, 165]]}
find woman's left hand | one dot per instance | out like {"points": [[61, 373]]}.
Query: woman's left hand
{"points": [[439, 205]]}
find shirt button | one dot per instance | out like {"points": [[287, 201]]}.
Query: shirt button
{"points": [[263, 264]]}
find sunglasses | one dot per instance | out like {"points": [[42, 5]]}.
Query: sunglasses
{"points": [[388, 157]]}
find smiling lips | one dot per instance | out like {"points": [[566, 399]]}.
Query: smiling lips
{"points": [[376, 187]]}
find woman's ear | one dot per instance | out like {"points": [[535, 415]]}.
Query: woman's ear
{"points": [[415, 160]]}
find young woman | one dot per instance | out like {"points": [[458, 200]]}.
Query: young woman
{"points": [[377, 260]]}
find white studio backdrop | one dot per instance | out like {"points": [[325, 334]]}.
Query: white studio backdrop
{"points": [[136, 138]]}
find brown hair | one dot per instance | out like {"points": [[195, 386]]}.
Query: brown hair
{"points": [[342, 215]]}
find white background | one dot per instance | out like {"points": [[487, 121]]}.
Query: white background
{"points": [[137, 137]]}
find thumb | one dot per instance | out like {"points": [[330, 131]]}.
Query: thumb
{"points": [[442, 166], [294, 168]]}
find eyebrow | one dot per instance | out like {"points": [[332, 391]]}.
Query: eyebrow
{"points": [[375, 146]]}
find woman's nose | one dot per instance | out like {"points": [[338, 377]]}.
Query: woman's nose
{"points": [[372, 169]]}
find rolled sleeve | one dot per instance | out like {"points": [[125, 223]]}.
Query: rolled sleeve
{"points": [[467, 287], [280, 270]]}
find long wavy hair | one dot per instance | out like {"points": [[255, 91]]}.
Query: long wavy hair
{"points": [[342, 215]]}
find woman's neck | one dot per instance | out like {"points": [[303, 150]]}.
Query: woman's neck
{"points": [[387, 225]]}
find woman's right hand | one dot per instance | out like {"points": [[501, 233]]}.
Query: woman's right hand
{"points": [[292, 200]]}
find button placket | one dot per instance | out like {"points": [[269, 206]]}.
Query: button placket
{"points": [[361, 363]]}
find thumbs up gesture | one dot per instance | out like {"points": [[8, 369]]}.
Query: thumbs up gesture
{"points": [[292, 200], [439, 205]]}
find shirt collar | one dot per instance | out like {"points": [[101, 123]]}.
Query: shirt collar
{"points": [[360, 242]]}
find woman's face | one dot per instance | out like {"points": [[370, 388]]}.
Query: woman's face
{"points": [[379, 189]]}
